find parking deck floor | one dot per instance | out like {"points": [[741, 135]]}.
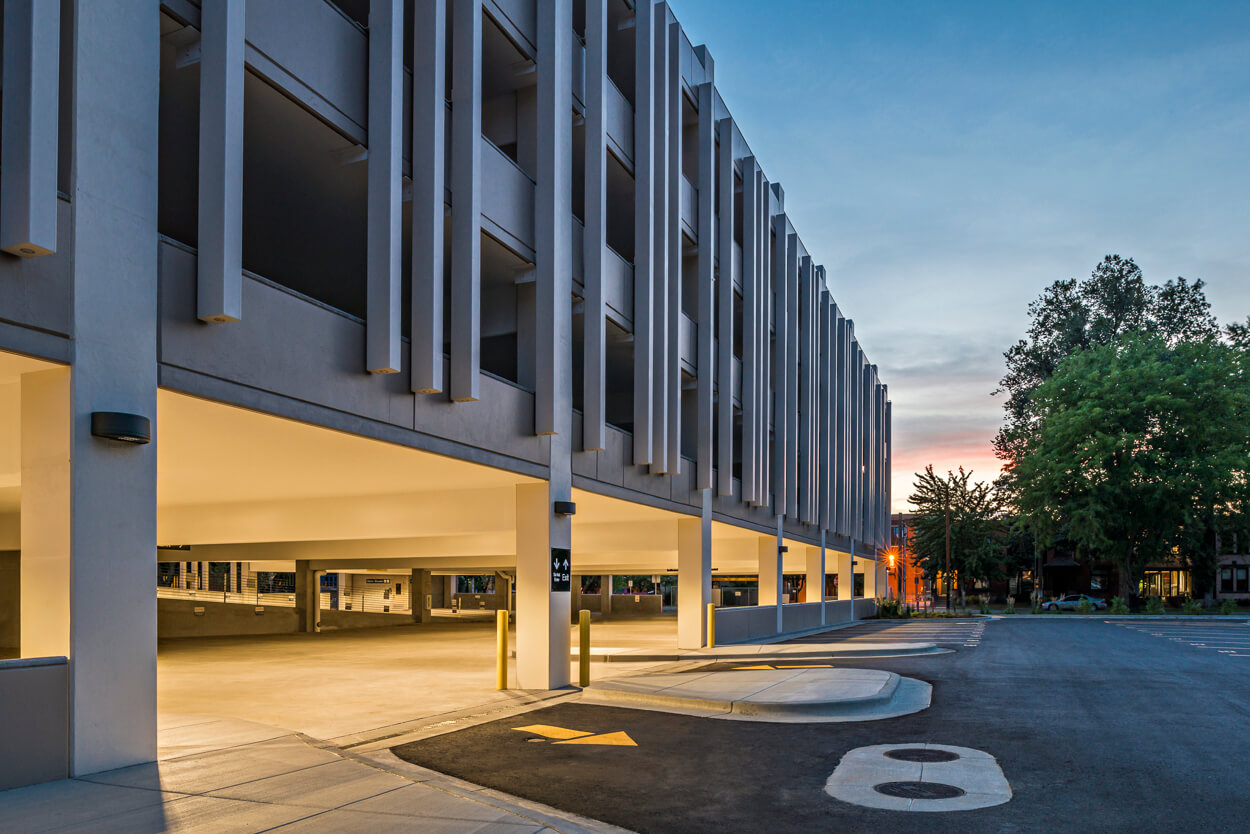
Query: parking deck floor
{"points": [[344, 686]]}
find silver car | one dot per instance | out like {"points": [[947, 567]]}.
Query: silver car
{"points": [[1071, 601]]}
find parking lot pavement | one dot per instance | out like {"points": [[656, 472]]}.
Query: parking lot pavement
{"points": [[1230, 639], [1086, 720]]}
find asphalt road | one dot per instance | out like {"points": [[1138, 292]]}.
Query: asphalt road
{"points": [[1097, 727]]}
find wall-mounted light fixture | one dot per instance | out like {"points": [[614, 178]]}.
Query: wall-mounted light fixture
{"points": [[565, 508], [117, 425]]}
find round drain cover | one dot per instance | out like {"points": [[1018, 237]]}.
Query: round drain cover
{"points": [[920, 754], [918, 790]]}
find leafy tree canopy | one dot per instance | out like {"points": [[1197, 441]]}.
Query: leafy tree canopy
{"points": [[1134, 445], [1076, 315], [974, 512]]}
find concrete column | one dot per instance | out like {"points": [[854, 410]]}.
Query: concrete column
{"points": [[305, 601], [104, 551], [543, 614], [815, 574], [449, 590], [232, 579], [770, 574], [419, 593], [503, 592], [871, 571], [605, 595], [846, 579], [694, 576]]}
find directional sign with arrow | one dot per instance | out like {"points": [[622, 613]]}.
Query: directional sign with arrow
{"points": [[561, 569]]}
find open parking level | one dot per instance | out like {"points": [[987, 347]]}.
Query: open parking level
{"points": [[1088, 720]]}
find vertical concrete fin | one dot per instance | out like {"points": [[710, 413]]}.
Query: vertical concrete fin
{"points": [[676, 183], [429, 137], [384, 236], [725, 320], [466, 195], [660, 275], [553, 208], [765, 366], [28, 155], [644, 225], [595, 240], [705, 275], [782, 323], [822, 409], [792, 379], [750, 328], [219, 268]]}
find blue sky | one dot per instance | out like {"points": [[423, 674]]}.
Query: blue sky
{"points": [[947, 161]]}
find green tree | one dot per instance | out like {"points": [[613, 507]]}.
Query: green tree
{"points": [[1131, 442], [1075, 315], [973, 511]]}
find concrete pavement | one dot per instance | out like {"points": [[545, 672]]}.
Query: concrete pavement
{"points": [[232, 775]]}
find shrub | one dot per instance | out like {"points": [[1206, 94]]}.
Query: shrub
{"points": [[984, 599], [1191, 606], [1154, 605], [1083, 607], [1228, 607], [1011, 606], [1036, 608], [1118, 606], [889, 609]]}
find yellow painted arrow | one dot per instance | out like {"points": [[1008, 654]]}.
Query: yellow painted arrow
{"points": [[548, 731], [617, 739], [567, 736]]}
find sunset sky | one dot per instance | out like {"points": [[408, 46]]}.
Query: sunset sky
{"points": [[948, 161]]}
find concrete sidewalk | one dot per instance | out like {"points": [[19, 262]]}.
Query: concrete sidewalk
{"points": [[218, 774]]}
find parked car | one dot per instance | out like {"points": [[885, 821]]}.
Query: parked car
{"points": [[1071, 601]]}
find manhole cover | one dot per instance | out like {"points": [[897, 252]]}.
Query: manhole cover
{"points": [[918, 790], [920, 754]]}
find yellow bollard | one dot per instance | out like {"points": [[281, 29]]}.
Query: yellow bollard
{"points": [[711, 625], [583, 648], [501, 649]]}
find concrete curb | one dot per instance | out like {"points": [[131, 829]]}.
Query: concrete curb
{"points": [[1224, 618], [867, 650], [895, 696]]}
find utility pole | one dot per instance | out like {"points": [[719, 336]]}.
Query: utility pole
{"points": [[948, 546]]}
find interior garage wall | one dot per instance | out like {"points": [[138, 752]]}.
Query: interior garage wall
{"points": [[177, 618]]}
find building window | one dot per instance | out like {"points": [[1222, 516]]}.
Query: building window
{"points": [[1235, 579]]}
